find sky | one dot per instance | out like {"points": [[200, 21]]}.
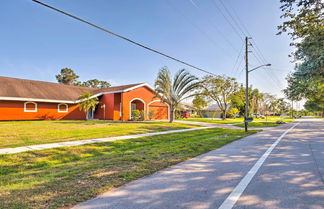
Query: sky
{"points": [[37, 42]]}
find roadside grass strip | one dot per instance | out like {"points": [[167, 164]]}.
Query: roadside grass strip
{"points": [[26, 133], [62, 177], [259, 124], [237, 120], [88, 141]]}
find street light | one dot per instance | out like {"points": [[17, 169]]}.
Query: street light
{"points": [[247, 95]]}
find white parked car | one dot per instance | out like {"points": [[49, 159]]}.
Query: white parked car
{"points": [[257, 115]]}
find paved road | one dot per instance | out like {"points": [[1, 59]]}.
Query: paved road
{"points": [[291, 175]]}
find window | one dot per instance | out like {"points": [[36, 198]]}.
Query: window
{"points": [[30, 107], [62, 108]]}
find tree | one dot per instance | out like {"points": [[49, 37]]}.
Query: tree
{"points": [[67, 76], [95, 83], [305, 22], [314, 106], [173, 91], [87, 102], [233, 112], [199, 103], [303, 17], [219, 88], [237, 100], [269, 104], [256, 97], [283, 106]]}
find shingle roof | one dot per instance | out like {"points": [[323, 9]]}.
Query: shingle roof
{"points": [[22, 88]]}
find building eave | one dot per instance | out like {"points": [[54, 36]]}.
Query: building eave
{"points": [[36, 100]]}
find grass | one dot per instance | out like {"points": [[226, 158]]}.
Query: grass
{"points": [[23, 133], [259, 124], [62, 177], [218, 121], [236, 120]]}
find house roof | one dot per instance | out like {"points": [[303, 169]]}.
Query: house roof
{"points": [[30, 90]]}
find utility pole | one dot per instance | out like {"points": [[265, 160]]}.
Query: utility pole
{"points": [[246, 83], [247, 71]]}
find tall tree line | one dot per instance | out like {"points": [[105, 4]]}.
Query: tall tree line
{"points": [[304, 22], [69, 77]]}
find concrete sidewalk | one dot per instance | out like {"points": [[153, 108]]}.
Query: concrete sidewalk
{"points": [[108, 139], [90, 141]]}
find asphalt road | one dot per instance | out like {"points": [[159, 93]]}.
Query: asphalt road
{"points": [[277, 168]]}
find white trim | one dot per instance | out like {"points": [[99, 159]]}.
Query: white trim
{"points": [[130, 107], [158, 100], [36, 100], [138, 86], [120, 110], [66, 109], [25, 107], [71, 101], [120, 91]]}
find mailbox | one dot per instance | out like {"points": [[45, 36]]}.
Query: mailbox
{"points": [[248, 119]]}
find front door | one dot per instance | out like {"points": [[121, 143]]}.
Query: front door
{"points": [[90, 114]]}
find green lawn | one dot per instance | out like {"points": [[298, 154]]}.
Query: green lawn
{"points": [[236, 120], [259, 124], [61, 177], [22, 133], [211, 120]]}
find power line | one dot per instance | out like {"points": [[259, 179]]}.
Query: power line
{"points": [[122, 37], [194, 25], [229, 22], [239, 23], [238, 18], [233, 19], [214, 25], [236, 62], [238, 66]]}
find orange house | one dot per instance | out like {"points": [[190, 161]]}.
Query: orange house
{"points": [[22, 99]]}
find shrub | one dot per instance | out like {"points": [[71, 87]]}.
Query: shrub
{"points": [[233, 112], [142, 115], [136, 114], [151, 114]]}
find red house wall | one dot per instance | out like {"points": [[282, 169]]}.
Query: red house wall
{"points": [[117, 108], [112, 107], [145, 94], [14, 110]]}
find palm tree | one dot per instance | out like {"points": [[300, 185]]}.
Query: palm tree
{"points": [[173, 91], [87, 102]]}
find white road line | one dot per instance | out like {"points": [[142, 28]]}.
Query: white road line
{"points": [[238, 190]]}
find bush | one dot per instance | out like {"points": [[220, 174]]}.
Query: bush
{"points": [[177, 114], [136, 114], [142, 115], [233, 112], [151, 114]]}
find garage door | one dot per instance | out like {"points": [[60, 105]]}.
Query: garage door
{"points": [[160, 110]]}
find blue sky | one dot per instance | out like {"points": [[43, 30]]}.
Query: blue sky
{"points": [[37, 42]]}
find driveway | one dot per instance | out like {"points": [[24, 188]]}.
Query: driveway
{"points": [[282, 167]]}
